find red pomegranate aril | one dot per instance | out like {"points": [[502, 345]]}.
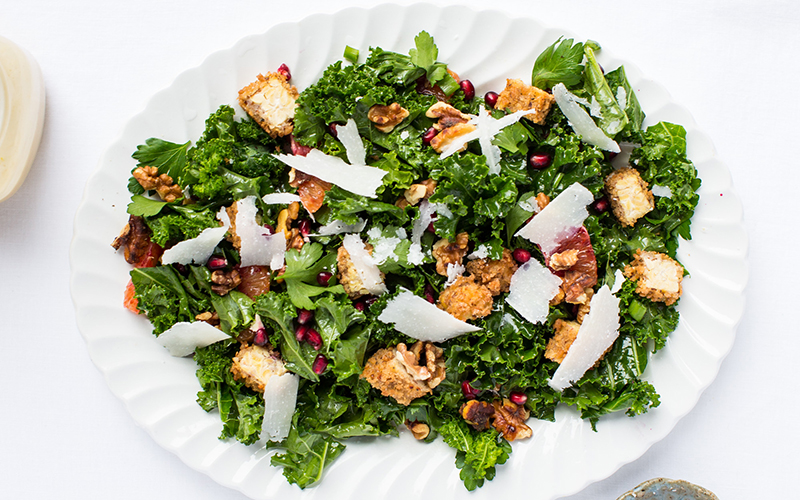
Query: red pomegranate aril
{"points": [[491, 99], [430, 228], [429, 294], [320, 364], [600, 205], [284, 70], [332, 129], [540, 160], [370, 299], [324, 278], [304, 316], [521, 255], [468, 88], [269, 228], [214, 263], [428, 136], [314, 339], [518, 398], [469, 391], [301, 332], [304, 227], [260, 338], [360, 305]]}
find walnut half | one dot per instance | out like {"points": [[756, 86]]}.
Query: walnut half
{"points": [[149, 179], [386, 118]]}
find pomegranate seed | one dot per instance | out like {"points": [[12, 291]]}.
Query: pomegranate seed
{"points": [[469, 391], [429, 293], [491, 99], [324, 278], [304, 316], [260, 338], [181, 269], [518, 398], [370, 299], [521, 255], [468, 88], [314, 339], [360, 305], [269, 228], [600, 205], [284, 70], [301, 332], [430, 228], [332, 129], [540, 160], [214, 263], [428, 136], [320, 364], [305, 227]]}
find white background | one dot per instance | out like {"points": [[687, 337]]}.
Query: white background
{"points": [[732, 63]]}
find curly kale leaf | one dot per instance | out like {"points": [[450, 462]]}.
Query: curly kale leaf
{"points": [[188, 223], [241, 409], [166, 298], [644, 319], [662, 161], [478, 452]]}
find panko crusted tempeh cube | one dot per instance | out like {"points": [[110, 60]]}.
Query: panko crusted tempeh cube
{"points": [[658, 277], [629, 195], [254, 365], [518, 96], [270, 101]]}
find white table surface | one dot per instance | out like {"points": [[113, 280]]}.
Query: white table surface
{"points": [[733, 63]]}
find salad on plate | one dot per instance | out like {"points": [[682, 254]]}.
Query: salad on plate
{"points": [[385, 251]]}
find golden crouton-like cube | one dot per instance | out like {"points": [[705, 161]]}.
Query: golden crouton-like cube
{"points": [[254, 365], [385, 371], [658, 277], [465, 299], [629, 196], [559, 344], [270, 101], [518, 96]]}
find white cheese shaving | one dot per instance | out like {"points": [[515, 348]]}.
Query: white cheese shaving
{"points": [[559, 219], [594, 108], [622, 97], [619, 279], [357, 177], [486, 127], [184, 338], [280, 399], [453, 272], [580, 120], [364, 263], [404, 134], [426, 211], [600, 328], [480, 253], [348, 136], [418, 318], [661, 191], [280, 198], [531, 289], [259, 247], [339, 227], [624, 156], [530, 204], [200, 248], [415, 254]]}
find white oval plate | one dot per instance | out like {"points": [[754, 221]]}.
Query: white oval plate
{"points": [[562, 457]]}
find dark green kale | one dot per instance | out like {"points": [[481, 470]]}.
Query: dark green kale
{"points": [[167, 298], [240, 408], [477, 452], [188, 222]]}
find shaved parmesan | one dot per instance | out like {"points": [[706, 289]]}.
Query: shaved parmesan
{"points": [[419, 319], [580, 120], [196, 250], [357, 177], [280, 198], [348, 136], [559, 219], [369, 273], [183, 338], [622, 97], [200, 248], [339, 227], [453, 272], [661, 191], [280, 399], [259, 247], [599, 330], [619, 279], [531, 289], [486, 127]]}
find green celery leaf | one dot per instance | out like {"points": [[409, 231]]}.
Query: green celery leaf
{"points": [[145, 207], [559, 63], [168, 157]]}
